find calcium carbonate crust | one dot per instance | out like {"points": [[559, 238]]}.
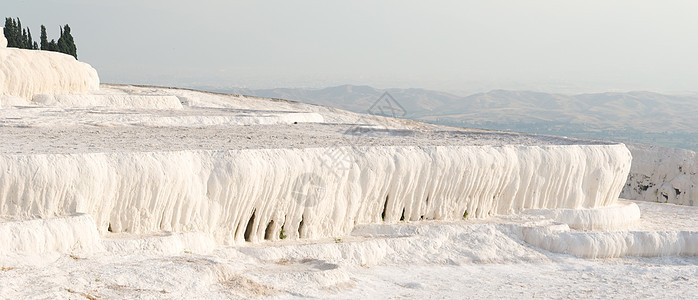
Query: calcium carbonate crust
{"points": [[560, 239], [255, 194], [25, 73]]}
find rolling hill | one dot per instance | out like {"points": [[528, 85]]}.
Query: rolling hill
{"points": [[638, 117]]}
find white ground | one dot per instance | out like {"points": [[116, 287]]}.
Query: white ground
{"points": [[49, 251], [468, 259]]}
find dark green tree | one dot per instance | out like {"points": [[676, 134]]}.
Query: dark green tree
{"points": [[70, 47], [25, 39], [44, 38], [15, 36], [7, 29], [10, 32], [30, 42], [52, 46], [18, 34], [62, 47], [19, 37]]}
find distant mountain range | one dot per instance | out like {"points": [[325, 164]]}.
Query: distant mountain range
{"points": [[639, 117]]}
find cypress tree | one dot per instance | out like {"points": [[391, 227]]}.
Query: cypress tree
{"points": [[69, 42], [23, 44], [19, 37], [30, 42], [62, 47], [8, 31], [52, 46], [16, 34], [19, 42], [44, 38]]}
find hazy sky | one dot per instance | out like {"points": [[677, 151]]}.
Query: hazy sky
{"points": [[545, 45]]}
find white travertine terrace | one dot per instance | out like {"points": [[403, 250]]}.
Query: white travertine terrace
{"points": [[607, 244], [219, 192], [227, 169], [25, 73], [111, 101]]}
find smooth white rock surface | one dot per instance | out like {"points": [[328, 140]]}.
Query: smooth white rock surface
{"points": [[75, 233], [112, 101], [24, 73], [621, 215], [558, 238]]}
